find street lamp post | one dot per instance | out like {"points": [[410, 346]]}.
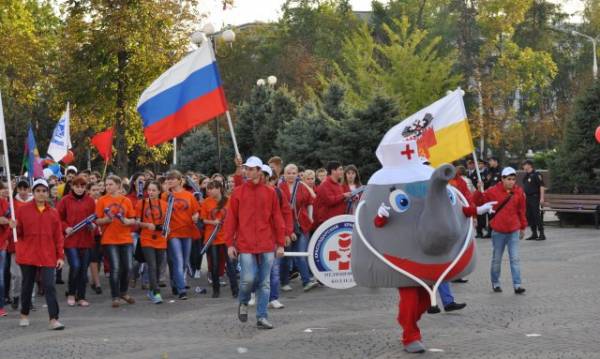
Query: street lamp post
{"points": [[595, 60]]}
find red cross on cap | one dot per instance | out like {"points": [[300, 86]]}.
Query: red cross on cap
{"points": [[408, 152]]}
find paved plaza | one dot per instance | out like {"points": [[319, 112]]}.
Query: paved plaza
{"points": [[558, 317]]}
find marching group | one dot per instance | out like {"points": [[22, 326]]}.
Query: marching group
{"points": [[152, 229]]}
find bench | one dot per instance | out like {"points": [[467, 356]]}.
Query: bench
{"points": [[573, 203]]}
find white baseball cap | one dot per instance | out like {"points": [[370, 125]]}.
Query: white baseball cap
{"points": [[39, 182], [72, 168], [508, 171], [253, 161], [267, 170]]}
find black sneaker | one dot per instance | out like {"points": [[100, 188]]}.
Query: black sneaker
{"points": [[263, 323], [174, 291], [183, 296], [497, 289], [454, 306], [433, 309], [542, 237], [162, 284], [294, 275], [519, 290], [460, 280], [98, 290], [60, 281], [532, 238], [243, 313], [488, 235]]}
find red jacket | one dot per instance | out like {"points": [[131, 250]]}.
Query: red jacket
{"points": [[303, 200], [286, 212], [254, 223], [512, 216], [5, 231], [330, 201], [73, 211], [40, 236]]}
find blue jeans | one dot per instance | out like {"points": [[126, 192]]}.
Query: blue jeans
{"points": [[256, 267], [300, 245], [120, 257], [499, 241], [79, 260], [2, 260], [179, 256], [446, 293], [275, 282]]}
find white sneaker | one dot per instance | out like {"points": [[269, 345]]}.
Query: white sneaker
{"points": [[252, 301], [286, 288], [197, 274], [275, 304], [310, 285], [24, 322]]}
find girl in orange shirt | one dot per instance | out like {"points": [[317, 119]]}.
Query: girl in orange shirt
{"points": [[150, 214], [213, 212], [182, 227], [115, 214]]}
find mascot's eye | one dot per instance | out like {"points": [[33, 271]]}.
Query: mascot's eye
{"points": [[399, 201], [452, 196]]}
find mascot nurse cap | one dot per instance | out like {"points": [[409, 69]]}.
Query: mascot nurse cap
{"points": [[410, 229]]}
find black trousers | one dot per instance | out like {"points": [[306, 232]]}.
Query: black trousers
{"points": [[154, 259], [7, 280], [48, 278], [533, 213], [482, 222], [217, 252]]}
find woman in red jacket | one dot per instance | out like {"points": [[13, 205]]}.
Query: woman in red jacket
{"points": [[508, 225], [74, 208], [301, 205], [331, 198], [39, 248]]}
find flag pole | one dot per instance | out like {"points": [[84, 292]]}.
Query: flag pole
{"points": [[7, 163], [174, 152], [105, 167], [232, 132]]}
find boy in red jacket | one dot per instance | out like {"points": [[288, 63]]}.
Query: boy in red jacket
{"points": [[331, 198], [508, 225], [254, 229], [39, 247]]}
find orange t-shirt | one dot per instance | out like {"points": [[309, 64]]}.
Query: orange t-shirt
{"points": [[154, 212], [209, 211], [115, 232], [185, 206]]}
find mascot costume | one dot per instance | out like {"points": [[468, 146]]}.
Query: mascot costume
{"points": [[412, 231]]}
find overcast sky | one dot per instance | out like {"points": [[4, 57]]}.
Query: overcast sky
{"points": [[245, 11]]}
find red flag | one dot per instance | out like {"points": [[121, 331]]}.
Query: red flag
{"points": [[103, 143]]}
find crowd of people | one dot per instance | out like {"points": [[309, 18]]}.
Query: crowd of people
{"points": [[151, 230]]}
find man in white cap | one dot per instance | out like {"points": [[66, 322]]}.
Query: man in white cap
{"points": [[254, 233], [39, 248], [508, 225]]}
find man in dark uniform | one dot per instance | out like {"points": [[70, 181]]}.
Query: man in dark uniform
{"points": [[495, 171], [472, 172], [533, 185]]}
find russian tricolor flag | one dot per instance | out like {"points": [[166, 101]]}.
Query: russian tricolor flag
{"points": [[186, 95]]}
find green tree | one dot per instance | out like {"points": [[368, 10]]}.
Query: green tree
{"points": [[354, 140], [575, 169], [260, 119], [112, 50], [198, 152]]}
